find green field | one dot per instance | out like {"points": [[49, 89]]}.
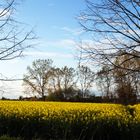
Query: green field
{"points": [[69, 121]]}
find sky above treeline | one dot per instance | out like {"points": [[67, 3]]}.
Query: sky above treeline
{"points": [[56, 26]]}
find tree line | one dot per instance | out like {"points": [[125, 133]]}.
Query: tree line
{"points": [[45, 80], [48, 82]]}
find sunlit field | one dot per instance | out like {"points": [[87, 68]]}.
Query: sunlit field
{"points": [[72, 121]]}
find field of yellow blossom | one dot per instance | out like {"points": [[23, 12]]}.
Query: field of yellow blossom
{"points": [[71, 121]]}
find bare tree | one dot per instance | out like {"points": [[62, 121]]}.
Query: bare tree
{"points": [[119, 83], [62, 81], [85, 79], [55, 82], [36, 79], [104, 81], [115, 28], [13, 36], [127, 83]]}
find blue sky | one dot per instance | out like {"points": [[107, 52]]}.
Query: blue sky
{"points": [[58, 30]]}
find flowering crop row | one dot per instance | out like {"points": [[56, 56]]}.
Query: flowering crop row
{"points": [[57, 120]]}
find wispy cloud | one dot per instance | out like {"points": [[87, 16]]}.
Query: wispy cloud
{"points": [[62, 43], [48, 54], [69, 30], [73, 31]]}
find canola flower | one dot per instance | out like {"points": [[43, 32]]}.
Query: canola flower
{"points": [[66, 112], [61, 120], [136, 113]]}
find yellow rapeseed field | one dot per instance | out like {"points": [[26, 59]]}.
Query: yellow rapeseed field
{"points": [[64, 120], [67, 112]]}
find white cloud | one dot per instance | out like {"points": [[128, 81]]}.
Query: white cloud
{"points": [[12, 89], [73, 31], [47, 54], [62, 43], [13, 61], [103, 45], [65, 42]]}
